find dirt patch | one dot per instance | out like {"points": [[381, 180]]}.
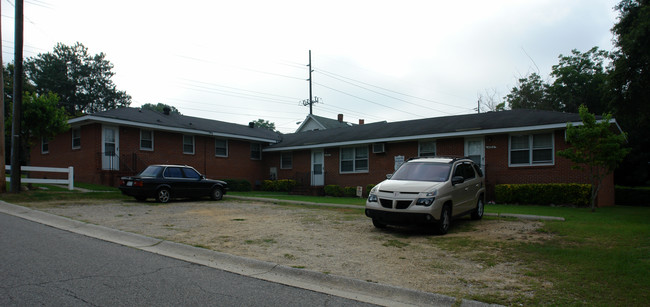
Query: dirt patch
{"points": [[468, 262]]}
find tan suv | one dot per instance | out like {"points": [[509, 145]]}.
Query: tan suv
{"points": [[428, 191]]}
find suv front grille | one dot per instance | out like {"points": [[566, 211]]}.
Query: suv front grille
{"points": [[403, 204], [386, 203]]}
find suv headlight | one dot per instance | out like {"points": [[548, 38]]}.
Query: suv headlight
{"points": [[425, 201], [372, 198], [430, 197]]}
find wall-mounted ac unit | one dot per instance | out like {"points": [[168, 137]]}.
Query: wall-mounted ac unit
{"points": [[379, 148]]}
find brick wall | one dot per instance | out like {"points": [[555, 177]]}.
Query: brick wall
{"points": [[168, 149]]}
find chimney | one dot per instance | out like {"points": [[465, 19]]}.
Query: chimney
{"points": [[166, 110], [251, 125], [340, 118], [361, 121]]}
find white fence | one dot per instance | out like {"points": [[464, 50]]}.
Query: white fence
{"points": [[69, 170]]}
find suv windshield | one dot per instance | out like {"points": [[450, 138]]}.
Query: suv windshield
{"points": [[423, 171]]}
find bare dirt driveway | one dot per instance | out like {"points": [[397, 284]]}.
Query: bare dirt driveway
{"points": [[338, 241]]}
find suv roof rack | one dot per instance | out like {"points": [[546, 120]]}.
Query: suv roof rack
{"points": [[453, 158]]}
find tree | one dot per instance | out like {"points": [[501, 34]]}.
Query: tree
{"points": [[42, 117], [489, 101], [82, 81], [630, 79], [531, 93], [264, 124], [581, 79], [160, 107], [594, 148]]}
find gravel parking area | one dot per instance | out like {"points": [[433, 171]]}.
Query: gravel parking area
{"points": [[336, 241]]}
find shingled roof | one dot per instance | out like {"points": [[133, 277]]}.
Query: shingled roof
{"points": [[436, 127], [149, 119]]}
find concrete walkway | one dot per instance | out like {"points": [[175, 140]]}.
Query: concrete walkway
{"points": [[511, 215]]}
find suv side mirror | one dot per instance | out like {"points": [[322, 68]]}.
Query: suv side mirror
{"points": [[457, 179]]}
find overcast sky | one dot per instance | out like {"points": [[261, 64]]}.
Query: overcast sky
{"points": [[238, 61]]}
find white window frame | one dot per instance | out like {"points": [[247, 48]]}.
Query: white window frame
{"points": [[282, 160], [184, 138], [225, 141], [78, 137], [532, 149], [435, 148], [354, 160], [151, 133], [45, 146], [256, 147]]}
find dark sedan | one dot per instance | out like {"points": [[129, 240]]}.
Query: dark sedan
{"points": [[164, 182]]}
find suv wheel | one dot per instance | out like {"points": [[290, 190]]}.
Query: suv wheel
{"points": [[378, 224], [442, 226], [477, 214]]}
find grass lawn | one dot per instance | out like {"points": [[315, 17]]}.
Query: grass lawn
{"points": [[600, 258]]}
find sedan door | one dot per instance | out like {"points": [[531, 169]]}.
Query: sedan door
{"points": [[173, 176], [196, 186]]}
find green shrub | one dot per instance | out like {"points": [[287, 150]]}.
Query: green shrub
{"points": [[368, 188], [632, 196], [333, 190], [238, 185], [350, 191], [282, 185], [573, 194]]}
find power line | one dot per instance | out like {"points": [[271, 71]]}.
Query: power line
{"points": [[340, 78], [360, 98]]}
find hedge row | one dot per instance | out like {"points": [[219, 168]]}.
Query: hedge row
{"points": [[238, 185], [629, 196], [282, 185], [571, 194], [338, 191]]}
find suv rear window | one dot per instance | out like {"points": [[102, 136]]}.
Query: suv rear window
{"points": [[423, 171]]}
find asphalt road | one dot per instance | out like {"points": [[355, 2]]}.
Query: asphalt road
{"points": [[41, 265]]}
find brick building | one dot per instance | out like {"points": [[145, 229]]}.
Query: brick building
{"points": [[515, 146]]}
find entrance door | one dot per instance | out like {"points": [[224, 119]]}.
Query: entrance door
{"points": [[317, 168], [475, 150], [110, 148]]}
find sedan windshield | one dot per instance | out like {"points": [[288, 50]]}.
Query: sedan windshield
{"points": [[423, 172], [151, 171]]}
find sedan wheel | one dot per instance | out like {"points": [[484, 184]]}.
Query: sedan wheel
{"points": [[217, 194], [163, 195]]}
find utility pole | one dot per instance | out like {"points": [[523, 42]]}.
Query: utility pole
{"points": [[3, 174], [18, 98], [311, 101]]}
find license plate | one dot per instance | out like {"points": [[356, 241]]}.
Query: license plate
{"points": [[129, 183]]}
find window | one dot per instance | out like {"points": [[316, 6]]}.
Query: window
{"points": [[76, 138], [256, 151], [188, 144], [191, 173], [286, 160], [427, 149], [220, 147], [532, 149], [354, 159], [146, 140], [45, 145], [465, 170], [173, 172]]}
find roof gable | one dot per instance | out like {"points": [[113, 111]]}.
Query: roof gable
{"points": [[321, 123]]}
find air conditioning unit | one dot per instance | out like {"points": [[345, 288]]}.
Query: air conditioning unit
{"points": [[379, 148]]}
